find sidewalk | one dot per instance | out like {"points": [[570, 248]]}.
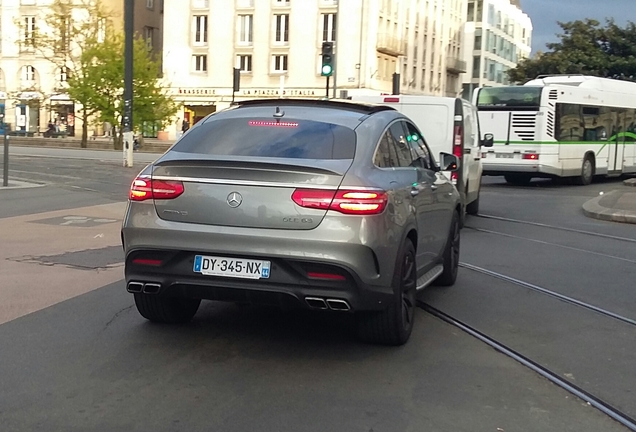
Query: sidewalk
{"points": [[616, 206]]}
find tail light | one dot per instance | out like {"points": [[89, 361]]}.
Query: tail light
{"points": [[458, 148], [530, 156], [145, 188], [354, 202]]}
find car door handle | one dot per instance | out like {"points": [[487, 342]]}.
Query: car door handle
{"points": [[415, 192]]}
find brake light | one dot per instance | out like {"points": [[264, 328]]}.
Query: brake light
{"points": [[260, 123], [147, 261], [326, 276], [354, 202], [391, 99], [458, 149], [145, 188], [530, 156]]}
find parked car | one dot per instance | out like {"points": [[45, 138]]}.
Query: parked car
{"points": [[327, 205], [449, 125]]}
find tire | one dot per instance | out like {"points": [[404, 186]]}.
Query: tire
{"points": [[587, 172], [473, 207], [393, 325], [168, 310], [451, 255], [518, 179]]}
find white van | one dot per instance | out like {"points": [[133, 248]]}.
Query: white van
{"points": [[449, 125]]}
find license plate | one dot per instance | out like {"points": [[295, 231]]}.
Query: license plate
{"points": [[505, 156], [231, 267]]}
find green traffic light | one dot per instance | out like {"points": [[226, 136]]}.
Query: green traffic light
{"points": [[327, 70]]}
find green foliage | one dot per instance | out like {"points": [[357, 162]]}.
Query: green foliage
{"points": [[80, 36], [585, 47]]}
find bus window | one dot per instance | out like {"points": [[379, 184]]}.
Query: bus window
{"points": [[519, 97]]}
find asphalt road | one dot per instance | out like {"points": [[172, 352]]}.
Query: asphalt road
{"points": [[91, 363]]}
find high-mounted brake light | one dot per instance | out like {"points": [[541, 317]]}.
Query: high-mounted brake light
{"points": [[145, 188], [391, 100], [354, 202], [262, 123]]}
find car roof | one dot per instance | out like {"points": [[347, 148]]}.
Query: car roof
{"points": [[361, 107]]}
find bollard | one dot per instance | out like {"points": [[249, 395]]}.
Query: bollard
{"points": [[5, 171]]}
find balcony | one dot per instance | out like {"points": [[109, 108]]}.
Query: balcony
{"points": [[390, 45], [455, 65]]}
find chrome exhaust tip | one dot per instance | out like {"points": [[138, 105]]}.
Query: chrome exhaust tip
{"points": [[151, 288], [338, 305], [135, 287], [316, 303]]}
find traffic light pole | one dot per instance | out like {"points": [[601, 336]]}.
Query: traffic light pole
{"points": [[129, 29], [327, 91]]}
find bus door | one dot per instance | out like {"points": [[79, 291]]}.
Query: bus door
{"points": [[617, 142]]}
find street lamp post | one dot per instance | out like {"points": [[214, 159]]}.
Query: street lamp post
{"points": [[5, 165], [129, 29]]}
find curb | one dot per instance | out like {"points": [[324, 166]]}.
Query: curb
{"points": [[630, 182], [594, 210], [19, 184]]}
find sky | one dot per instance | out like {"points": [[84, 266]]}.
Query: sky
{"points": [[546, 13]]}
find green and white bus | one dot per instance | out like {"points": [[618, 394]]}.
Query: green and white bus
{"points": [[559, 126]]}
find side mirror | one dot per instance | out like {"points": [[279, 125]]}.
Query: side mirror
{"points": [[448, 162], [488, 141]]}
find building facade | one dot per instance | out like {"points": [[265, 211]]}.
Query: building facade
{"points": [[276, 44], [32, 88], [497, 36]]}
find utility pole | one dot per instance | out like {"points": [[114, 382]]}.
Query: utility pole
{"points": [[129, 30]]}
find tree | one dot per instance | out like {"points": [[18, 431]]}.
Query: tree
{"points": [[585, 47], [150, 100], [71, 28], [79, 35]]}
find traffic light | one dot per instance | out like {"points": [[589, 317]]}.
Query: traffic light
{"points": [[327, 59]]}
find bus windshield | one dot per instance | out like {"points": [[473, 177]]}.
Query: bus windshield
{"points": [[517, 97]]}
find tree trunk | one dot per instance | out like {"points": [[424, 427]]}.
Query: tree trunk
{"points": [[84, 142]]}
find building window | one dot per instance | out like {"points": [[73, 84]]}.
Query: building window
{"points": [[200, 29], [101, 30], [200, 63], [148, 37], [282, 28], [245, 3], [200, 4], [150, 4], [63, 74], [281, 2], [28, 74], [279, 63], [328, 27], [29, 31], [245, 24], [244, 62]]}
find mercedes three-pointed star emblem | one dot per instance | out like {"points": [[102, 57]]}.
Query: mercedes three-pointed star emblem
{"points": [[234, 199]]}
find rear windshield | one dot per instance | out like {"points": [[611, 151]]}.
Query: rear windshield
{"points": [[267, 137]]}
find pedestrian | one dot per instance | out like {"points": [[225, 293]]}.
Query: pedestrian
{"points": [[185, 126]]}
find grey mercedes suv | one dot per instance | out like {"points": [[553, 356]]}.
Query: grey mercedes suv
{"points": [[327, 205]]}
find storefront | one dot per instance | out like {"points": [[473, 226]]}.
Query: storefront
{"points": [[27, 114], [62, 114]]}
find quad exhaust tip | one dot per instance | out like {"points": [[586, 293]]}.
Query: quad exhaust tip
{"points": [[324, 304], [146, 288], [338, 305]]}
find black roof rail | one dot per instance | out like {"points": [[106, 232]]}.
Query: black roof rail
{"points": [[366, 108], [558, 75]]}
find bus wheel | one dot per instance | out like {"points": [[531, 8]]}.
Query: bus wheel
{"points": [[518, 179], [587, 172]]}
